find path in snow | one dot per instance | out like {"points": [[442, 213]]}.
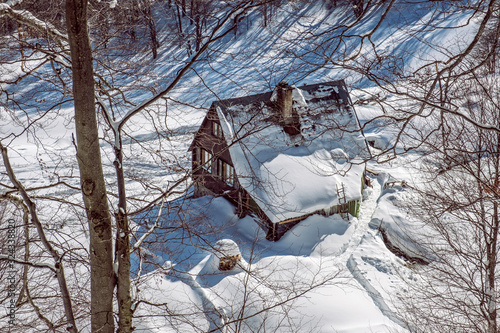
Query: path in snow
{"points": [[360, 225], [363, 230]]}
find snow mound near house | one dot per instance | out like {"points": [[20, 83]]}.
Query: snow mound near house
{"points": [[226, 248], [223, 248]]}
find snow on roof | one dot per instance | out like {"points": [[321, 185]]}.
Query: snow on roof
{"points": [[290, 176]]}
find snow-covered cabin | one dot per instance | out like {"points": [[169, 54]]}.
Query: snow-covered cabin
{"points": [[283, 155]]}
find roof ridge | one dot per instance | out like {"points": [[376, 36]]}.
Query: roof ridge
{"points": [[263, 97]]}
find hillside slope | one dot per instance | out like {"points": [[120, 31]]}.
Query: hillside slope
{"points": [[325, 275]]}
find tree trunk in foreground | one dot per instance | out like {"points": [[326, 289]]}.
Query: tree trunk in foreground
{"points": [[91, 174]]}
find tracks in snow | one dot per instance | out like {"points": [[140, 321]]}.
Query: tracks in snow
{"points": [[366, 210], [362, 230]]}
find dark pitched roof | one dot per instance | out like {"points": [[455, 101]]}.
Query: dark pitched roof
{"points": [[326, 91]]}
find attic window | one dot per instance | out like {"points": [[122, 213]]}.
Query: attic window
{"points": [[216, 129]]}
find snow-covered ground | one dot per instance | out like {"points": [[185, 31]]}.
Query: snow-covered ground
{"points": [[327, 259], [324, 275], [349, 279]]}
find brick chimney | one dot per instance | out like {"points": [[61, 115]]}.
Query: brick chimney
{"points": [[290, 121]]}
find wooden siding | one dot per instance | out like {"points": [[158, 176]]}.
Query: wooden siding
{"points": [[211, 139]]}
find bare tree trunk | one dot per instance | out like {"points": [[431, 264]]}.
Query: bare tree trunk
{"points": [[91, 174], [264, 10], [150, 22], [492, 263], [492, 247], [122, 248]]}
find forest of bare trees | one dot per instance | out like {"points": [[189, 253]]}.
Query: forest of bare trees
{"points": [[100, 57]]}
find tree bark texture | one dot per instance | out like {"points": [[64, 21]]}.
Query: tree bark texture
{"points": [[122, 249], [491, 271], [91, 173]]}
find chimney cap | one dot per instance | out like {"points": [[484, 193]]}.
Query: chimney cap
{"points": [[283, 84]]}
